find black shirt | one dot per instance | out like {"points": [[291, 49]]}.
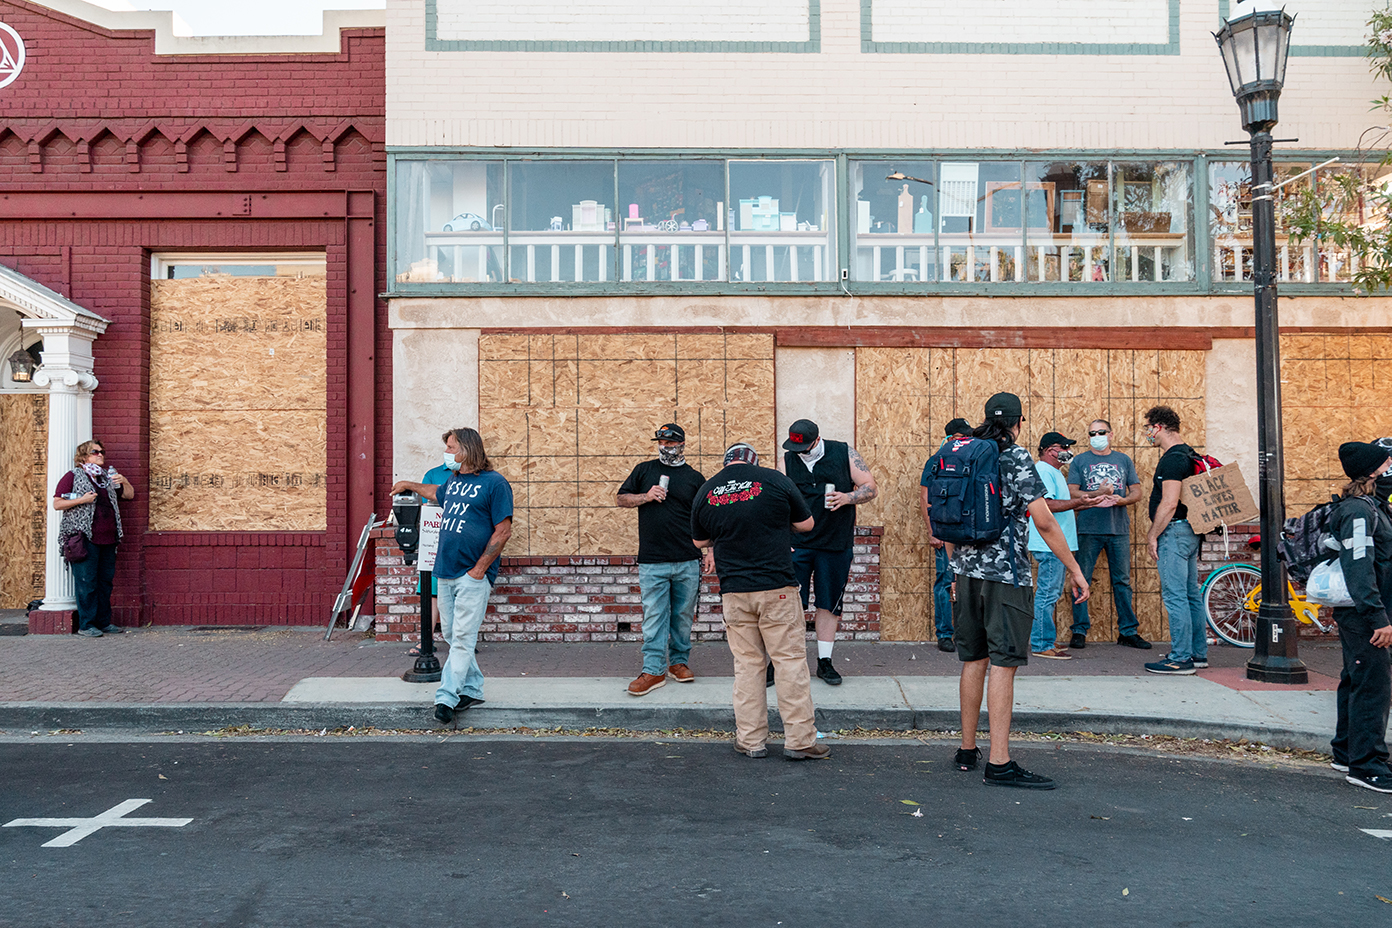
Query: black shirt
{"points": [[834, 531], [1175, 464], [664, 529], [748, 512]]}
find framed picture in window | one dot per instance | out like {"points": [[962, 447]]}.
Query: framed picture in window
{"points": [[1070, 209], [1096, 202], [1010, 206]]}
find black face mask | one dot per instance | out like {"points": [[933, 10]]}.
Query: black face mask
{"points": [[1384, 486]]}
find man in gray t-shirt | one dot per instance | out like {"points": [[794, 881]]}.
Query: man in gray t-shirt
{"points": [[1108, 473]]}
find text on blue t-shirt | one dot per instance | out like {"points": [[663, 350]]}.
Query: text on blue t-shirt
{"points": [[473, 505]]}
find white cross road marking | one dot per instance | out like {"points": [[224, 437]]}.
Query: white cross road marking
{"points": [[1377, 833], [79, 828], [1360, 542]]}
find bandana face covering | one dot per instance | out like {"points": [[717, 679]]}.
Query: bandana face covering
{"points": [[673, 455], [94, 471], [811, 458]]}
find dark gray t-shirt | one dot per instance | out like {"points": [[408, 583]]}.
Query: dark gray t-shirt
{"points": [[1088, 471]]}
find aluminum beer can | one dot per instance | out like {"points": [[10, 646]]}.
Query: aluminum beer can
{"points": [[663, 481], [826, 497]]}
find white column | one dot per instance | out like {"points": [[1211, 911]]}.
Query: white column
{"points": [[67, 373]]}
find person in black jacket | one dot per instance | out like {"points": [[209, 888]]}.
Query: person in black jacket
{"points": [[823, 555], [1362, 524]]}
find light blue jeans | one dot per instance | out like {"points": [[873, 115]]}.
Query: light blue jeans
{"points": [[463, 602], [1043, 635], [669, 605], [1178, 548]]}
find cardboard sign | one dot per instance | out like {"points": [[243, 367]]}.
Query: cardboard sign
{"points": [[431, 519], [1218, 497]]}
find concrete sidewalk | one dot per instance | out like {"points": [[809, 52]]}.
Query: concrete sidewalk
{"points": [[198, 679]]}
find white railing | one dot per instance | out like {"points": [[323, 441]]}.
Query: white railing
{"points": [[1232, 261], [975, 258], [651, 247]]}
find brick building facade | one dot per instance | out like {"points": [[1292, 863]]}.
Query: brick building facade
{"points": [[140, 166]]}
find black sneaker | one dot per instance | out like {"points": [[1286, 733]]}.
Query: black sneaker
{"points": [[967, 758], [1012, 774], [947, 644], [443, 713], [1077, 642], [1134, 641], [1200, 663], [1174, 668], [768, 676], [828, 672], [1377, 782], [465, 702], [1341, 767]]}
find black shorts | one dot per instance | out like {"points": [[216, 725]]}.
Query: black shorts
{"points": [[830, 569], [992, 620]]}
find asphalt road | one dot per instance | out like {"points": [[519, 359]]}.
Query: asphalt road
{"points": [[475, 832]]}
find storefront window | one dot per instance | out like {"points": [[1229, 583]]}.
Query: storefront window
{"points": [[893, 229], [672, 220], [1152, 231], [449, 218], [781, 218], [561, 221], [1066, 237], [982, 215]]}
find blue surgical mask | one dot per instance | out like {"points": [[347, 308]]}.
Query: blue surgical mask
{"points": [[450, 462], [1098, 442]]}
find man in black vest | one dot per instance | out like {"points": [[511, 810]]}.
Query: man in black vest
{"points": [[824, 554]]}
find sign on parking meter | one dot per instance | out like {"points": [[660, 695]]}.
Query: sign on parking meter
{"points": [[430, 520]]}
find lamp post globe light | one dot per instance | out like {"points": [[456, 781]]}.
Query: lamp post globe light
{"points": [[1254, 45]]}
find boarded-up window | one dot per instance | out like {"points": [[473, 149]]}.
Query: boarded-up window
{"points": [[237, 402], [23, 497]]}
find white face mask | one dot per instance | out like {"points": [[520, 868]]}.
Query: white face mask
{"points": [[451, 463], [1098, 442], [811, 458]]}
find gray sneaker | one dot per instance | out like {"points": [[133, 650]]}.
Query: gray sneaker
{"points": [[89, 632]]}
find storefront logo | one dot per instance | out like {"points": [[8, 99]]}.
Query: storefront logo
{"points": [[11, 55]]}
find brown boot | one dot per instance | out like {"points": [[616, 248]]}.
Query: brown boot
{"points": [[681, 673], [646, 683]]}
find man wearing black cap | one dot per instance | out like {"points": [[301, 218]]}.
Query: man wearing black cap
{"points": [[995, 603], [1175, 548], [832, 478], [669, 565], [942, 569], [749, 513], [1053, 455], [1362, 524]]}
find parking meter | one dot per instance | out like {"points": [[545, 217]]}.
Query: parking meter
{"points": [[406, 508]]}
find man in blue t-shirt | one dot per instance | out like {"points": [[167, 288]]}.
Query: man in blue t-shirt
{"points": [[1053, 454], [476, 525], [436, 476]]}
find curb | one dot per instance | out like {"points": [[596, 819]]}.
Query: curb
{"points": [[151, 718]]}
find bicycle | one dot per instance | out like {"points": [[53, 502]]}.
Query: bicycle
{"points": [[1232, 595]]}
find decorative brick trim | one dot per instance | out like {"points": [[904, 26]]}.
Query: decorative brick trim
{"points": [[593, 597]]}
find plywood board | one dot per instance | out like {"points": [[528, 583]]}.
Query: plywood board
{"points": [[23, 497], [238, 410]]}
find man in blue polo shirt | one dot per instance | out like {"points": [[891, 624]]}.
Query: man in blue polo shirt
{"points": [[477, 523]]}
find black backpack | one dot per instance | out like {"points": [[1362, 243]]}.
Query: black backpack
{"points": [[964, 492], [1308, 541]]}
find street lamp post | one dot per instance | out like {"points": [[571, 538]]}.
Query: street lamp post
{"points": [[1254, 45]]}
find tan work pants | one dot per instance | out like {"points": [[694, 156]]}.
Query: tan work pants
{"points": [[763, 626]]}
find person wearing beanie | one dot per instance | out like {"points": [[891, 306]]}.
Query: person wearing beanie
{"points": [[1175, 547], [1362, 524], [942, 568]]}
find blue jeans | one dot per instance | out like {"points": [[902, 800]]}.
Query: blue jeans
{"points": [[1118, 548], [669, 605], [1179, 589], [93, 577], [463, 602], [942, 595], [1043, 635]]}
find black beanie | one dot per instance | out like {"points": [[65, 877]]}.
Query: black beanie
{"points": [[1360, 458]]}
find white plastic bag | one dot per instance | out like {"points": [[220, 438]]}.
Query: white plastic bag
{"points": [[1327, 586]]}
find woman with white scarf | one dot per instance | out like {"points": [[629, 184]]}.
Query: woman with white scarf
{"points": [[88, 496]]}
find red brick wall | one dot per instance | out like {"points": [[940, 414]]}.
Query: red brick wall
{"points": [[594, 598], [96, 113]]}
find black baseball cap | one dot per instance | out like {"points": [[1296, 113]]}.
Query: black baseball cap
{"points": [[958, 426], [670, 432], [802, 435], [1004, 406], [1054, 438]]}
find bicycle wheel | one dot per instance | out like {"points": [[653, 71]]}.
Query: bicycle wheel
{"points": [[1226, 594]]}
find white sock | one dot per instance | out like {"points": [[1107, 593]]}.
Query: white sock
{"points": [[824, 649]]}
